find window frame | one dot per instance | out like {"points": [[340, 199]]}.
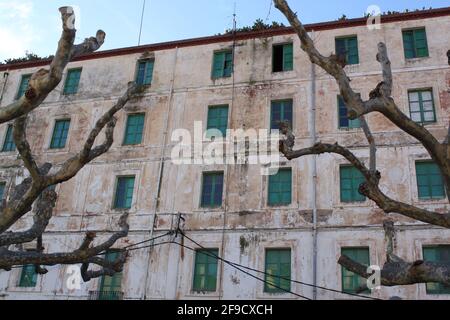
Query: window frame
{"points": [[272, 102], [22, 77], [77, 87], [280, 204], [9, 133], [350, 127], [223, 75], [212, 251], [431, 198], [422, 112], [51, 147], [34, 279], [218, 106], [126, 129], [283, 63], [354, 274], [346, 39], [341, 198], [146, 60], [275, 290], [115, 198], [102, 279], [211, 206], [414, 30], [3, 190]]}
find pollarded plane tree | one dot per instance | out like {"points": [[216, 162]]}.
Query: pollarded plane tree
{"points": [[35, 195], [396, 271]]}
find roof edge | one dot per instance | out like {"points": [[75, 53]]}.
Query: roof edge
{"points": [[321, 26]]}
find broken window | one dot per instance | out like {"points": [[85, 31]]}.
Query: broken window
{"points": [[124, 192], [437, 254], [430, 184], [222, 64], [421, 106], [60, 133], [28, 277], [280, 188], [212, 190], [415, 43], [351, 282], [283, 58], [144, 75], [72, 81], [278, 271], [134, 129], [8, 143], [23, 85], [281, 110], [344, 121], [205, 270], [351, 179], [348, 48]]}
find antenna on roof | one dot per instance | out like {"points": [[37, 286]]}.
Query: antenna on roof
{"points": [[142, 22]]}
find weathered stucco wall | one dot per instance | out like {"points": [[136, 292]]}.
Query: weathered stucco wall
{"points": [[180, 94]]}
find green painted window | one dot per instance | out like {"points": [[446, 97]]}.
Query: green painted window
{"points": [[8, 143], [283, 57], [145, 72], [222, 64], [421, 106], [2, 190], [280, 111], [351, 282], [72, 81], [28, 277], [218, 118], [212, 190], [124, 192], [278, 270], [437, 254], [344, 121], [110, 287], [205, 270], [415, 43], [351, 179], [280, 188], [23, 85], [134, 129], [348, 47], [430, 183], [60, 133]]}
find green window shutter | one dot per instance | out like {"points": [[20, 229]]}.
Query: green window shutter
{"points": [[60, 133], [348, 47], [124, 193], [212, 190], [278, 270], [205, 270], [430, 183], [281, 111], [110, 287], [2, 190], [144, 75], [222, 64], [344, 121], [421, 106], [415, 43], [23, 85], [280, 188], [437, 254], [134, 129], [8, 144], [351, 282], [28, 277], [350, 180], [72, 81], [218, 118], [288, 57]]}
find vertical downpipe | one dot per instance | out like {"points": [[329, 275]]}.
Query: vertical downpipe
{"points": [[314, 172]]}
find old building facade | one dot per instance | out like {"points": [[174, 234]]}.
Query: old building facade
{"points": [[292, 225]]}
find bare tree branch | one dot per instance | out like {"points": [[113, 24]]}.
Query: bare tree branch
{"points": [[372, 145]]}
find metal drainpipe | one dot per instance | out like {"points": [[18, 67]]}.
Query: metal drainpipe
{"points": [[161, 169], [314, 173], [5, 77]]}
